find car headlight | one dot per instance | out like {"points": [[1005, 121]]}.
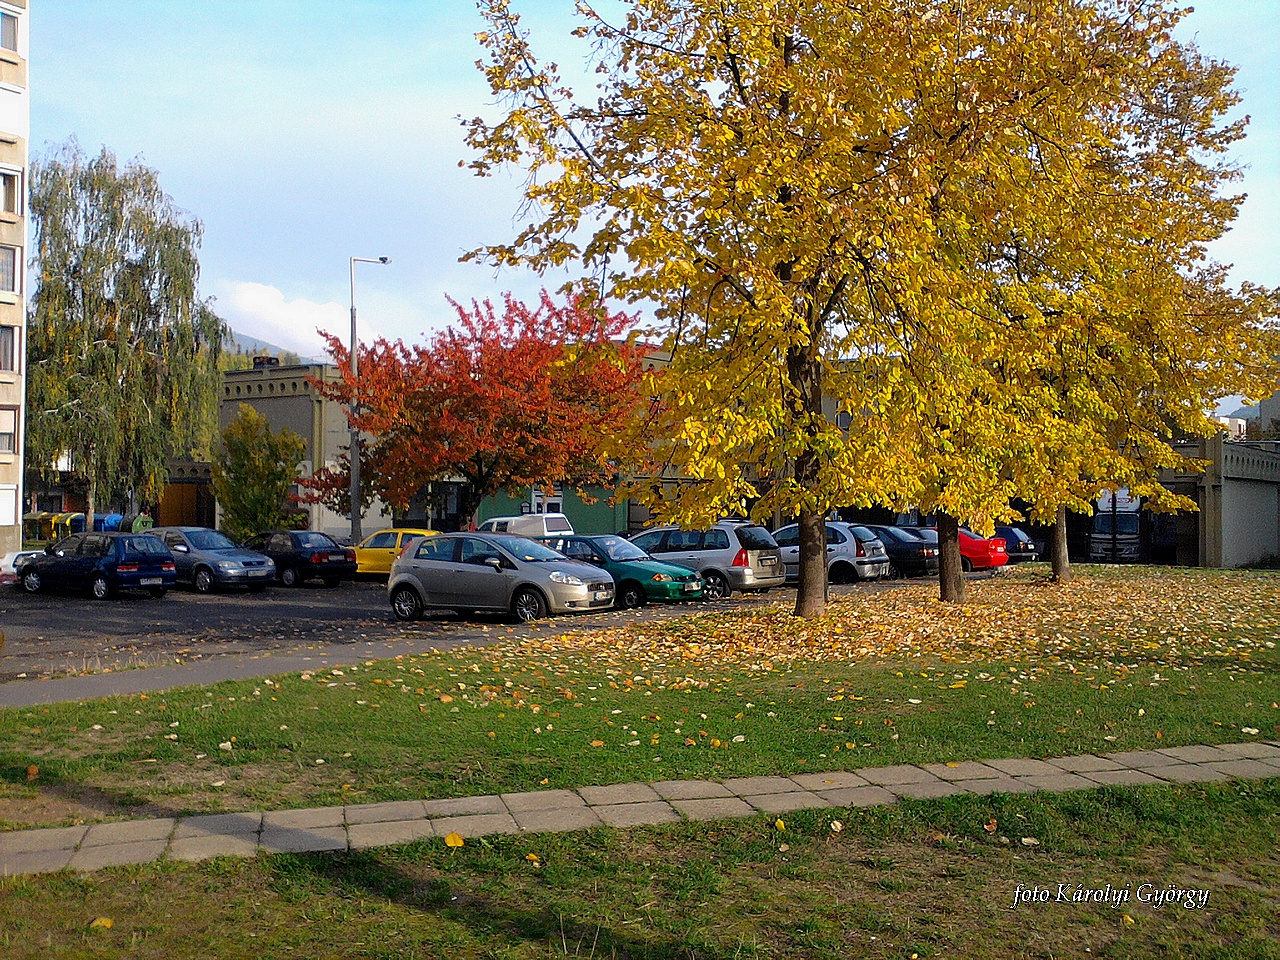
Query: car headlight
{"points": [[228, 565], [663, 578], [565, 578]]}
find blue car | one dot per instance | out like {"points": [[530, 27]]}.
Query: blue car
{"points": [[101, 563]]}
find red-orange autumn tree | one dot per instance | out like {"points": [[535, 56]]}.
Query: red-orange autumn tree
{"points": [[501, 401]]}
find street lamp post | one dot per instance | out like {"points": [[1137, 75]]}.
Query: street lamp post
{"points": [[353, 451]]}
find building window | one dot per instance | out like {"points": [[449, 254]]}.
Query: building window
{"points": [[10, 191], [9, 269], [9, 32], [8, 349], [8, 429]]}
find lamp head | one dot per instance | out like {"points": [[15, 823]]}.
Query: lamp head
{"points": [[384, 259]]}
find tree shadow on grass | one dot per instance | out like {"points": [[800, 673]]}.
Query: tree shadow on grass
{"points": [[427, 892]]}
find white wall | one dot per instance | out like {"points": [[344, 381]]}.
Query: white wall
{"points": [[1250, 521]]}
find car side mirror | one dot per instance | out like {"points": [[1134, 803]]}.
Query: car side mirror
{"points": [[493, 562]]}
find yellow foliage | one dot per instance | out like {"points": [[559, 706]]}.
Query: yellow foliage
{"points": [[980, 238]]}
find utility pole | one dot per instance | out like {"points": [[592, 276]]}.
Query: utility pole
{"points": [[353, 451]]}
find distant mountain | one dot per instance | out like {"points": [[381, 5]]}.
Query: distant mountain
{"points": [[1245, 413], [242, 343]]}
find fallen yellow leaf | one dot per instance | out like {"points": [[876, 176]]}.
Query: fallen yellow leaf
{"points": [[103, 923], [454, 840]]}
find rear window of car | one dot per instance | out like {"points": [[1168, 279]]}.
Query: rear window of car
{"points": [[148, 545], [862, 533], [559, 525], [315, 541], [755, 538]]}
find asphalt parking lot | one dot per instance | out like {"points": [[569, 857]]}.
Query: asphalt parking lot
{"points": [[58, 634]]}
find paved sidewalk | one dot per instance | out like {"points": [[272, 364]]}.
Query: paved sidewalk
{"points": [[327, 829]]}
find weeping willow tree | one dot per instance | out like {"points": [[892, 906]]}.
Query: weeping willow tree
{"points": [[122, 352]]}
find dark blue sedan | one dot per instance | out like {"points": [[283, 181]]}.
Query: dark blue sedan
{"points": [[101, 563]]}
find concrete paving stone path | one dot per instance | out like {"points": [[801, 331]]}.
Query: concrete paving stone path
{"points": [[360, 827]]}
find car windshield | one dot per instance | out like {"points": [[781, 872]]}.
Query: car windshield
{"points": [[209, 540], [901, 533], [315, 541], [522, 548], [1125, 523], [617, 549]]}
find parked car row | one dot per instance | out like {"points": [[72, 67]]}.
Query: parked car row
{"points": [[495, 569]]}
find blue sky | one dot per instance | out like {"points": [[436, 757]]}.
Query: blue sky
{"points": [[304, 133]]}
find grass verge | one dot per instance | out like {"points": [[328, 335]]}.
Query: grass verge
{"points": [[918, 879]]}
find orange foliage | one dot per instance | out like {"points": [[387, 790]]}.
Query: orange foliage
{"points": [[502, 401]]}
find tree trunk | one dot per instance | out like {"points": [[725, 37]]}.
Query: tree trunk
{"points": [[804, 371], [90, 496], [950, 567], [1058, 548], [811, 592]]}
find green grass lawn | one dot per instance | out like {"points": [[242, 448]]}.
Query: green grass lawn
{"points": [[918, 879], [1119, 660]]}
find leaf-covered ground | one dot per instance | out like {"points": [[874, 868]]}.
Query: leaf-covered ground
{"points": [[1104, 620]]}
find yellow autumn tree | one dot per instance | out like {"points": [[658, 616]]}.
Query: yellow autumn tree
{"points": [[976, 229]]}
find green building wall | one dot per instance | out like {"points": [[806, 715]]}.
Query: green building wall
{"points": [[602, 516]]}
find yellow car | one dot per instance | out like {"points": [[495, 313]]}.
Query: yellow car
{"points": [[379, 550]]}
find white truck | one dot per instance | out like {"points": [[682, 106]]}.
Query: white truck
{"points": [[1116, 534]]}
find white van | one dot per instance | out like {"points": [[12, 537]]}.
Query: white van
{"points": [[529, 525]]}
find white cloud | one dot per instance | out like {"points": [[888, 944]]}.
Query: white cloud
{"points": [[261, 311]]}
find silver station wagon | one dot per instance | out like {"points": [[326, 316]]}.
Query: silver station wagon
{"points": [[501, 572]]}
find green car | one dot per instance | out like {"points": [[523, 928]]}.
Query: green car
{"points": [[639, 577]]}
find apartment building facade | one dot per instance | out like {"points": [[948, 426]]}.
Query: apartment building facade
{"points": [[14, 131]]}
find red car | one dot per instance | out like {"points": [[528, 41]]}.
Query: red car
{"points": [[977, 553]]}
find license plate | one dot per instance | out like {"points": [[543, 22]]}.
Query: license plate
{"points": [[259, 573], [337, 557], [691, 586], [768, 561], [600, 595], [151, 581]]}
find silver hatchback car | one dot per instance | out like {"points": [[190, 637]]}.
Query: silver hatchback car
{"points": [[493, 572], [732, 555], [853, 553]]}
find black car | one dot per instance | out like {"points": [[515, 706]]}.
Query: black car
{"points": [[101, 563], [1018, 545], [305, 555], [910, 554]]}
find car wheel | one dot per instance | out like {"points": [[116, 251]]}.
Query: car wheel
{"points": [[406, 604], [527, 605], [331, 582], [31, 582], [99, 589], [289, 577], [203, 580], [630, 595], [966, 565], [714, 586], [158, 592], [893, 573], [842, 573]]}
